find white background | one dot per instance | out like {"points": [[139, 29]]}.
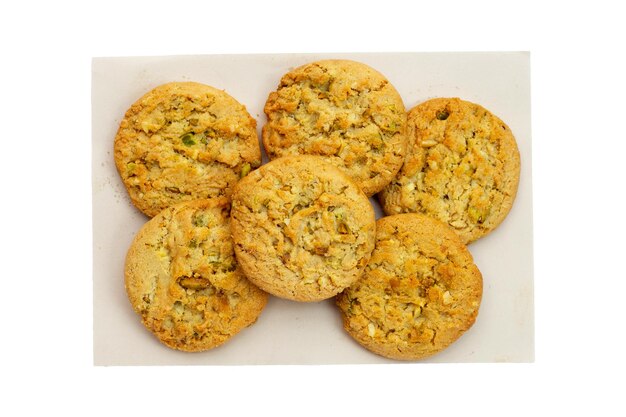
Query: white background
{"points": [[578, 90]]}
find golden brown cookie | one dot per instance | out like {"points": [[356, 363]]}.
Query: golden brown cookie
{"points": [[183, 280], [462, 167], [420, 291], [341, 110], [184, 141], [302, 229]]}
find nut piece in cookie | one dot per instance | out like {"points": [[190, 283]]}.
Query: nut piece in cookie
{"points": [[184, 141], [302, 229], [419, 293], [462, 167], [344, 111], [183, 280]]}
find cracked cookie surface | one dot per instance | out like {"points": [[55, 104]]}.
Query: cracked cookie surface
{"points": [[419, 293], [183, 280], [183, 141], [343, 111], [462, 167], [302, 229]]}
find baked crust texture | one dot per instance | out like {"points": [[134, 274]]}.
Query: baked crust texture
{"points": [[462, 167], [302, 229], [344, 111], [184, 141], [182, 277], [420, 291]]}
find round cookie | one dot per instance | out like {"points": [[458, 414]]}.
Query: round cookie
{"points": [[184, 141], [462, 167], [183, 280], [341, 110], [419, 293], [302, 229]]}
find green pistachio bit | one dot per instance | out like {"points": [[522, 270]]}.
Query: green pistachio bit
{"points": [[391, 127], [442, 115], [245, 170], [476, 215], [200, 221], [193, 243], [334, 263], [188, 139], [201, 137], [473, 214], [227, 265], [131, 167], [376, 142]]}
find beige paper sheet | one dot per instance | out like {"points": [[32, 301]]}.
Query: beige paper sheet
{"points": [[301, 333]]}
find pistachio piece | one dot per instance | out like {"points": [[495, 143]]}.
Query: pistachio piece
{"points": [[393, 127], [245, 170], [376, 142], [458, 224], [188, 139], [233, 299], [342, 228], [201, 137], [476, 215], [178, 307], [194, 283], [200, 220]]}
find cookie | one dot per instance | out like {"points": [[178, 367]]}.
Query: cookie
{"points": [[183, 280], [302, 229], [184, 141], [343, 111], [420, 291], [462, 167]]}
